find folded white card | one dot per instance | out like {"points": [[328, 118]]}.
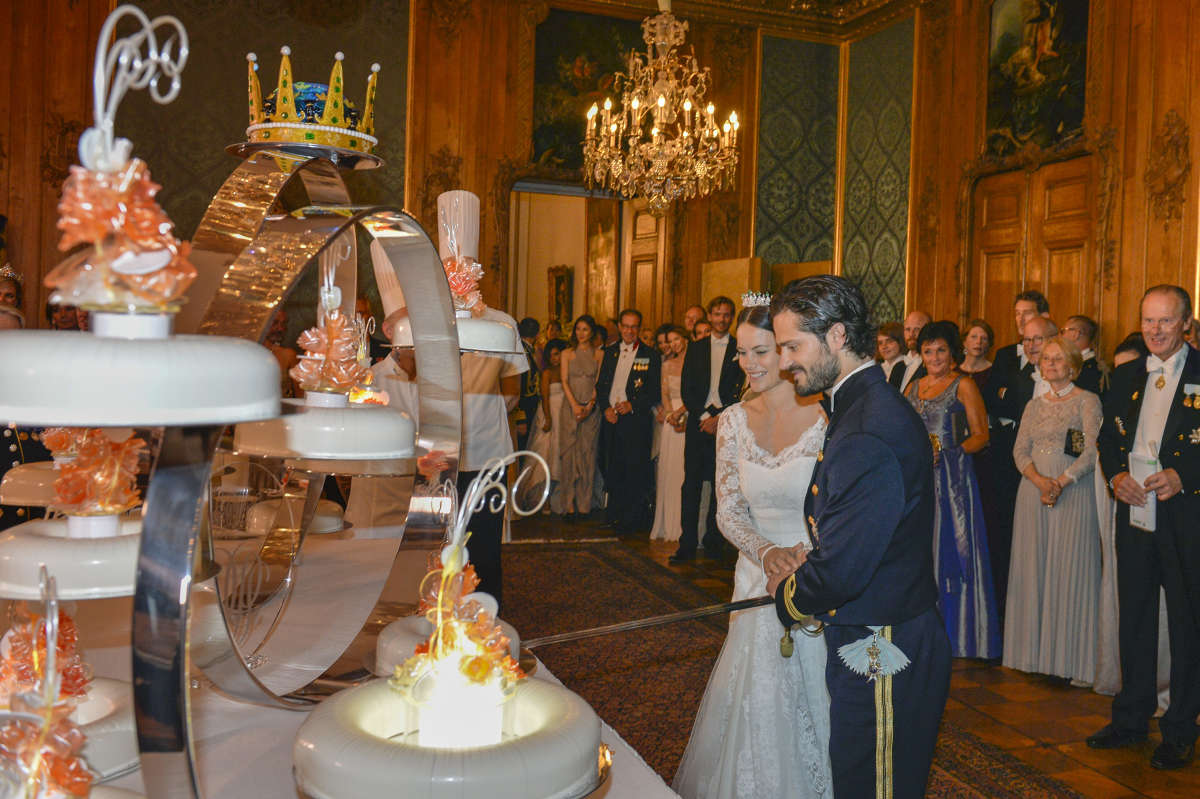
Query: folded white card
{"points": [[1140, 468]]}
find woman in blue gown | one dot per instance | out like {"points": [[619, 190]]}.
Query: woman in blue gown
{"points": [[952, 408]]}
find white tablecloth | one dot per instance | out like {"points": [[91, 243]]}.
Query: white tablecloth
{"points": [[246, 750]]}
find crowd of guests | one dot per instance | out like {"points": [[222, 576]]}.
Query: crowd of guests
{"points": [[626, 415], [1035, 548]]}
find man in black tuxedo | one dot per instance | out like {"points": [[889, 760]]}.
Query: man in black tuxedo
{"points": [[1152, 412], [869, 577], [1082, 331], [914, 367], [710, 382], [1009, 388], [627, 390]]}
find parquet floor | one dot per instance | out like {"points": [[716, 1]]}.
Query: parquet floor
{"points": [[1034, 718]]}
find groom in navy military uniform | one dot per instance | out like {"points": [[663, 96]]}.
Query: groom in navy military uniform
{"points": [[869, 578]]}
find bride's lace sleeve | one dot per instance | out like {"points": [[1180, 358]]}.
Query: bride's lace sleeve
{"points": [[733, 511]]}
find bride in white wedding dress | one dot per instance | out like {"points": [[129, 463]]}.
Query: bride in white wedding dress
{"points": [[762, 730]]}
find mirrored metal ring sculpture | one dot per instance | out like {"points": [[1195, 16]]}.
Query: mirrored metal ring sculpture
{"points": [[265, 249]]}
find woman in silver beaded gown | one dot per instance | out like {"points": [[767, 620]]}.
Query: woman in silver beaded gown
{"points": [[1054, 579]]}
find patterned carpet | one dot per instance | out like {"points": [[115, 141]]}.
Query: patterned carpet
{"points": [[647, 684]]}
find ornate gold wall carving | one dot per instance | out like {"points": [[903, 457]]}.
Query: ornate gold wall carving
{"points": [[447, 17], [1168, 168]]}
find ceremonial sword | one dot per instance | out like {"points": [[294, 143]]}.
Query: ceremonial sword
{"points": [[785, 644]]}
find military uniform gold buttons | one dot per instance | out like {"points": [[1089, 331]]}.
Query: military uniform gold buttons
{"points": [[814, 489]]}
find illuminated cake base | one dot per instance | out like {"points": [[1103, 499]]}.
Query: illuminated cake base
{"points": [[357, 744], [85, 568]]}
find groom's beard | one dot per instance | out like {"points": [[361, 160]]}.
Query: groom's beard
{"points": [[820, 376]]}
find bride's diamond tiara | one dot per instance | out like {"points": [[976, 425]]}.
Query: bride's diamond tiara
{"points": [[753, 299]]}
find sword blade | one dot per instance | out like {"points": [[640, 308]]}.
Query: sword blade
{"points": [[652, 621]]}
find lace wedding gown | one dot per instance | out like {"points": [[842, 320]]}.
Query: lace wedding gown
{"points": [[762, 730]]}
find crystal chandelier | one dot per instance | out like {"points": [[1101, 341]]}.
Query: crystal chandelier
{"points": [[663, 143]]}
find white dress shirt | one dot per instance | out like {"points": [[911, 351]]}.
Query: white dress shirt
{"points": [[888, 366], [624, 364], [717, 349], [1156, 402], [1040, 386], [912, 362]]}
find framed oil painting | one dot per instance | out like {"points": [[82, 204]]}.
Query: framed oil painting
{"points": [[1037, 74], [575, 58], [561, 293]]}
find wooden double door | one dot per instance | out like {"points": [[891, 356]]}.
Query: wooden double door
{"points": [[1034, 230]]}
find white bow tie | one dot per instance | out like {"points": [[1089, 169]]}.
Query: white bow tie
{"points": [[1156, 364]]}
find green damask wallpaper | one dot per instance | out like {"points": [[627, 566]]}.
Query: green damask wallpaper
{"points": [[877, 167], [797, 151], [184, 142]]}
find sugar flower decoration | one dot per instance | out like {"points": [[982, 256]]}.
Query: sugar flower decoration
{"points": [[134, 259], [331, 349], [101, 477]]}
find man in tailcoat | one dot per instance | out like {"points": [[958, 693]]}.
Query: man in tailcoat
{"points": [[1005, 395], [1152, 410], [869, 577], [709, 382], [627, 389]]}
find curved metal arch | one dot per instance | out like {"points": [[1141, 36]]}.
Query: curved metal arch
{"points": [[268, 267], [254, 191]]}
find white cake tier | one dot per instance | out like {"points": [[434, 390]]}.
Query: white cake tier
{"points": [[179, 380], [84, 568], [357, 432], [326, 519], [349, 748], [398, 640], [106, 717], [29, 484]]}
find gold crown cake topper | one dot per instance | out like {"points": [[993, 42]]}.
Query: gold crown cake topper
{"points": [[310, 113]]}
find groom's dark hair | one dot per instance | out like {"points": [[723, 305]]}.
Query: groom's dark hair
{"points": [[821, 301]]}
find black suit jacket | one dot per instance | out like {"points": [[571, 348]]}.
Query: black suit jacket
{"points": [[870, 511], [1089, 376], [696, 374], [1010, 387], [1180, 446], [643, 389]]}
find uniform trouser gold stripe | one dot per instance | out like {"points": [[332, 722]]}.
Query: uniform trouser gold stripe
{"points": [[883, 731]]}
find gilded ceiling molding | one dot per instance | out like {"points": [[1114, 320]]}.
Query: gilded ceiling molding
{"points": [[447, 16], [829, 20], [1168, 167], [1108, 190]]}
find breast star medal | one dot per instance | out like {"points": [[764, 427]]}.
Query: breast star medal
{"points": [[1195, 436]]}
